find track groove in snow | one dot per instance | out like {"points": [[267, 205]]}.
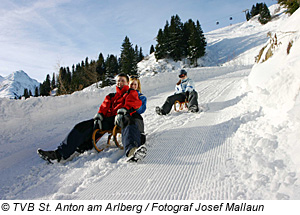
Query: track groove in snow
{"points": [[184, 161]]}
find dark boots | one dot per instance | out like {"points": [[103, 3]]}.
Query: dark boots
{"points": [[160, 111], [49, 155]]}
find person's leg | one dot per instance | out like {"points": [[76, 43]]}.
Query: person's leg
{"points": [[131, 137], [140, 124], [79, 139], [193, 101], [167, 106], [79, 136], [107, 124]]}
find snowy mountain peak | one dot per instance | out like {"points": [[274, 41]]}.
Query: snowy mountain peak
{"points": [[14, 84], [18, 75]]}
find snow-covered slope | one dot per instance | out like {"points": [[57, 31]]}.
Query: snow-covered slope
{"points": [[269, 147], [1, 78], [237, 44], [14, 84], [243, 146]]}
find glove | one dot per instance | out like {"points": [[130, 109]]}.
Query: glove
{"points": [[120, 118], [98, 118]]}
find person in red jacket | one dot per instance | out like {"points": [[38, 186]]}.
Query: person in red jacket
{"points": [[117, 109]]}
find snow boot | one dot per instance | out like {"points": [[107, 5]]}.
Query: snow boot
{"points": [[194, 109], [137, 154], [160, 111], [49, 155]]}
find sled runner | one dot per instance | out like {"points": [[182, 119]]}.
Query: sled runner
{"points": [[178, 106], [98, 134]]}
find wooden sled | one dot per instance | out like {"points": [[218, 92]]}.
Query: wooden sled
{"points": [[178, 106], [111, 133]]}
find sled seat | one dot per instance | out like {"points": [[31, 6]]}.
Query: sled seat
{"points": [[98, 134], [178, 106]]}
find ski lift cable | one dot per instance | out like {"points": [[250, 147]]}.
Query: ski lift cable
{"points": [[224, 17], [216, 21]]}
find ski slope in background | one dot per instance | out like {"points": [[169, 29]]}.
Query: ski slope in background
{"points": [[243, 146]]}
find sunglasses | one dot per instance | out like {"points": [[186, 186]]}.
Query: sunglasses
{"points": [[181, 76], [134, 76]]}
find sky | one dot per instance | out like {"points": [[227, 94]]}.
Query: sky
{"points": [[40, 36]]}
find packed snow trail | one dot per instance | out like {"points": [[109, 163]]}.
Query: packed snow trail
{"points": [[189, 155]]}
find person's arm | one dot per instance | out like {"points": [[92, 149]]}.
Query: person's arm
{"points": [[178, 88], [132, 100], [190, 86], [142, 109], [106, 104]]}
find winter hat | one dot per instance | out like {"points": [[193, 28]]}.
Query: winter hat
{"points": [[182, 72]]}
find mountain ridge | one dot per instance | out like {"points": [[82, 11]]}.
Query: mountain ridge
{"points": [[13, 85]]}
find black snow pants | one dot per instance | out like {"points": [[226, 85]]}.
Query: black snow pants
{"points": [[80, 137], [192, 100]]}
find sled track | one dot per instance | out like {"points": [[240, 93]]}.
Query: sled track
{"points": [[184, 160], [189, 155]]}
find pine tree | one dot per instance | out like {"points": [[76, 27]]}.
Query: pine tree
{"points": [[163, 43], [112, 69], [176, 37], [26, 94], [42, 91], [166, 40], [100, 67], [86, 62], [248, 16], [160, 46], [141, 56], [128, 62], [136, 54], [264, 14], [180, 40], [36, 92], [90, 75], [187, 30], [152, 49], [202, 41], [292, 5], [47, 84], [68, 79], [45, 87], [76, 80], [256, 9], [196, 42], [53, 82]]}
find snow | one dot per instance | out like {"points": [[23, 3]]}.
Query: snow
{"points": [[244, 145], [13, 85], [1, 78]]}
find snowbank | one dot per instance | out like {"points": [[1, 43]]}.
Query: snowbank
{"points": [[277, 79], [267, 148]]}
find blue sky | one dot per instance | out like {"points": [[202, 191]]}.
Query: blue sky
{"points": [[40, 36]]}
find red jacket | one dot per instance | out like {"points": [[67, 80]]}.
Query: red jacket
{"points": [[121, 99]]}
